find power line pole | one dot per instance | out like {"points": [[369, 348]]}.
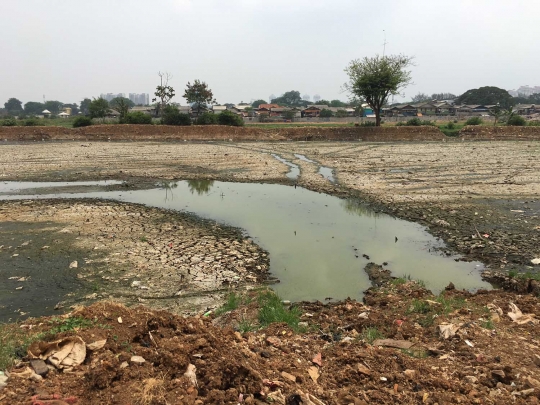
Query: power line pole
{"points": [[384, 44]]}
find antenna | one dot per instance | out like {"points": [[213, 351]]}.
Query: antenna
{"points": [[384, 44]]}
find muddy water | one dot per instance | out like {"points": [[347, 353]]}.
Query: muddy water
{"points": [[294, 170], [326, 172], [316, 242]]}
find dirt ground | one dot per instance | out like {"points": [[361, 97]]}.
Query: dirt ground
{"points": [[480, 197]]}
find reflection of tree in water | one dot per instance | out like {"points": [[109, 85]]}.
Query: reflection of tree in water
{"points": [[168, 186], [200, 186], [356, 207]]}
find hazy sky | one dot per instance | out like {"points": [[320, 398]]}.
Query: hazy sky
{"points": [[249, 49]]}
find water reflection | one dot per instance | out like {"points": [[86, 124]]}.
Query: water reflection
{"points": [[168, 186], [200, 186], [356, 207]]}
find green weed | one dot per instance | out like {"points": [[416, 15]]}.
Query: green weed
{"points": [[371, 334], [68, 324], [418, 353], [419, 307], [15, 342], [449, 304], [398, 281], [487, 324], [246, 325], [233, 301], [272, 310], [143, 239]]}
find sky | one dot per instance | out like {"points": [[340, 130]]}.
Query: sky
{"points": [[249, 49]]}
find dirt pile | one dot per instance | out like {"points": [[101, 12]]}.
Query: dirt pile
{"points": [[401, 346], [220, 133], [492, 133]]}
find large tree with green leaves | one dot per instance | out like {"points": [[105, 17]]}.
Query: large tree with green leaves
{"points": [[53, 106], [33, 108], [98, 108], [488, 95], [85, 106], [257, 103], [200, 95], [122, 105], [375, 79], [291, 98], [164, 92], [13, 106]]}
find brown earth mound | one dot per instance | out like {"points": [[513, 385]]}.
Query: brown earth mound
{"points": [[404, 346], [492, 133], [220, 133]]}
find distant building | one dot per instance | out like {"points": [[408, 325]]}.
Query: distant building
{"points": [[110, 96], [140, 99], [316, 98], [525, 91], [306, 97]]}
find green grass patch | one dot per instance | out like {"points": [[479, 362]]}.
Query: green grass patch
{"points": [[417, 353], [449, 304], [487, 324], [398, 281], [245, 325], [233, 301], [272, 310], [72, 323], [371, 334], [419, 307]]}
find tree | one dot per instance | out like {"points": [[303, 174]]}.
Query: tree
{"points": [[200, 95], [341, 114], [291, 98], [33, 108], [13, 106], [122, 105], [85, 106], [337, 103], [207, 118], [443, 96], [229, 118], [137, 117], [164, 93], [420, 97], [257, 103], [487, 95], [171, 116], [497, 113], [326, 113], [53, 106], [289, 115], [98, 108], [82, 122], [375, 79]]}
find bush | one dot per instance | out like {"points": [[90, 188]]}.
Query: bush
{"points": [[82, 122], [516, 121], [207, 118], [171, 116], [229, 118], [9, 122], [137, 117], [368, 124], [474, 121], [31, 122], [534, 123], [450, 125], [415, 122]]}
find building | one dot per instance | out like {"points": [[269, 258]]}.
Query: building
{"points": [[219, 108], [313, 111], [140, 99], [110, 96]]}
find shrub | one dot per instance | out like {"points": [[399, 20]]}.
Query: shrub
{"points": [[82, 122], [207, 118], [534, 123], [368, 124], [137, 117], [229, 118], [9, 122], [171, 116], [516, 121], [450, 125], [31, 122], [474, 121]]}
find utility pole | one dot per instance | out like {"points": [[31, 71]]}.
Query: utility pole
{"points": [[384, 44]]}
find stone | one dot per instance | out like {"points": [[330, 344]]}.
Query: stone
{"points": [[3, 380], [471, 379], [35, 377], [411, 374], [532, 382], [288, 376], [39, 366], [137, 360], [124, 365], [73, 264]]}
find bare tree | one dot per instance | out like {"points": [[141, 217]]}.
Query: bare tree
{"points": [[164, 93]]}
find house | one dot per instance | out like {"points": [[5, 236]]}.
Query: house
{"points": [[63, 115], [401, 110], [46, 113], [185, 109], [264, 109], [219, 108], [312, 111], [112, 114], [148, 109], [526, 109]]}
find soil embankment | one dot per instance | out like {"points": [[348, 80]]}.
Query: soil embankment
{"points": [[220, 133], [493, 133]]}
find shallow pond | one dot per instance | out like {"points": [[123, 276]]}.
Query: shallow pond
{"points": [[316, 242]]}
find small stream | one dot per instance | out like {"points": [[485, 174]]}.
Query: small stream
{"points": [[318, 244], [326, 172]]}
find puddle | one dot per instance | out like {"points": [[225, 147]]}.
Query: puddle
{"points": [[326, 172], [316, 242], [294, 170], [30, 187]]}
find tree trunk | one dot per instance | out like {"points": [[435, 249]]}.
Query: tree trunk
{"points": [[377, 119]]}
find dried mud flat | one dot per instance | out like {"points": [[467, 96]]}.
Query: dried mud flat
{"points": [[481, 198], [126, 252]]}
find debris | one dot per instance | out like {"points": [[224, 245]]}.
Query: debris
{"points": [[63, 353], [399, 344], [410, 374], [119, 319], [317, 359], [138, 360], [272, 384], [274, 341], [536, 359], [288, 376], [532, 382], [3, 379], [517, 316], [314, 373], [535, 261], [469, 343], [447, 330], [96, 345], [73, 264], [39, 366], [471, 379], [190, 374], [362, 369]]}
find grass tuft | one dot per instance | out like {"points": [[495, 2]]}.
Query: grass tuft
{"points": [[371, 334], [233, 301], [272, 310]]}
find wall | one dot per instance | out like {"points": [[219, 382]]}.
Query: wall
{"points": [[478, 133]]}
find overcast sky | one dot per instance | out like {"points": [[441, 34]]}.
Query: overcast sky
{"points": [[249, 49]]}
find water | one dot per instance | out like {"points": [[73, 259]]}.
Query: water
{"points": [[315, 241], [294, 170], [326, 172], [10, 187]]}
